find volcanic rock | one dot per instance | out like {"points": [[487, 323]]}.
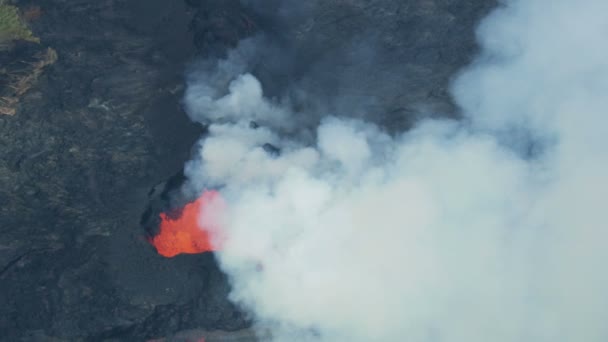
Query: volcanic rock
{"points": [[103, 125]]}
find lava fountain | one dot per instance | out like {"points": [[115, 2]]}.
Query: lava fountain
{"points": [[184, 234]]}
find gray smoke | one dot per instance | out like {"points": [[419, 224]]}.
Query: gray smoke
{"points": [[487, 229]]}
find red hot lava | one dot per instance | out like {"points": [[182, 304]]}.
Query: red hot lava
{"points": [[184, 234]]}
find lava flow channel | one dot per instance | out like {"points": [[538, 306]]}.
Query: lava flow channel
{"points": [[184, 234]]}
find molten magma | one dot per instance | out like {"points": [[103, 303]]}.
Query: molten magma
{"points": [[184, 234]]}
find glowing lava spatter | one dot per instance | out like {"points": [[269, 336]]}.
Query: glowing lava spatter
{"points": [[184, 235]]}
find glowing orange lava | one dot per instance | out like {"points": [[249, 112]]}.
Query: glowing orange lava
{"points": [[183, 234]]}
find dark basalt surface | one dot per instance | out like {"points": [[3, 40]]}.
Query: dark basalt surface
{"points": [[104, 125]]}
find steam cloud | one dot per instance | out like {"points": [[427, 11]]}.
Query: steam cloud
{"points": [[491, 228]]}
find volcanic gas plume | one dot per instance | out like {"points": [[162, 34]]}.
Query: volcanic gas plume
{"points": [[184, 231], [491, 228]]}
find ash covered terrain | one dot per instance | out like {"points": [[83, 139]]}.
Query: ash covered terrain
{"points": [[93, 150]]}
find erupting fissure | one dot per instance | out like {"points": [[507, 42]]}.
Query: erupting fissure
{"points": [[184, 234]]}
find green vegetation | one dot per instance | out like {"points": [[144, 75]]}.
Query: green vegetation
{"points": [[12, 27], [19, 74]]}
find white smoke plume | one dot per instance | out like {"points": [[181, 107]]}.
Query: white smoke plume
{"points": [[490, 229]]}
